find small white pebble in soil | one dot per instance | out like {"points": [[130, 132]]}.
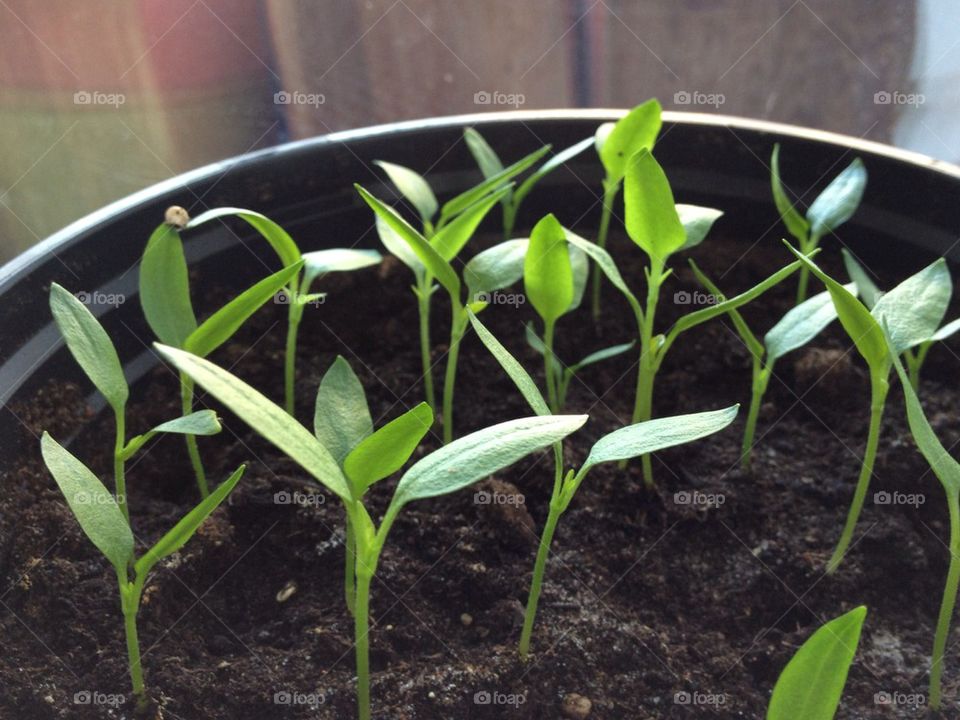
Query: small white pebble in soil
{"points": [[286, 592], [432, 695], [466, 619], [576, 707]]}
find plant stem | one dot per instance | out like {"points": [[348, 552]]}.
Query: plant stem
{"points": [[509, 219], [361, 625], [647, 367], [458, 326], [130, 604], [806, 247], [423, 306], [290, 355], [915, 362], [761, 376], [610, 190], [538, 570], [193, 450], [553, 398], [947, 603], [119, 478], [350, 564], [878, 395]]}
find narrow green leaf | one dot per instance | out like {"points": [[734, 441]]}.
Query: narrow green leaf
{"points": [[947, 330], [201, 422], [178, 535], [604, 354], [754, 346], [562, 157], [866, 288], [279, 239], [264, 416], [321, 262], [495, 268], [90, 346], [398, 247], [386, 450], [221, 326], [810, 686], [451, 238], [482, 453], [795, 222], [604, 261], [580, 267], [534, 340], [914, 309], [637, 130], [652, 435], [486, 157], [93, 505], [165, 287], [837, 203], [547, 274], [649, 210], [696, 221], [341, 418], [802, 323], [414, 187]]}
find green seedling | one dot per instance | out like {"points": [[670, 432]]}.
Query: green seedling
{"points": [[616, 143], [449, 233], [947, 471], [831, 209], [871, 294], [794, 330], [912, 312], [490, 165], [105, 517], [627, 442], [297, 293], [451, 468], [811, 685]]}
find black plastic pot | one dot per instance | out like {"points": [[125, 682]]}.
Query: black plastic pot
{"points": [[910, 208]]}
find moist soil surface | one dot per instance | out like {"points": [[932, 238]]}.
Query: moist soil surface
{"points": [[686, 601]]}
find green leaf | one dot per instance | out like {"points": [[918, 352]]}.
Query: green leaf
{"points": [[90, 346], [549, 166], [94, 507], [165, 287], [837, 203], [947, 330], [866, 288], [914, 309], [220, 327], [652, 435], [521, 378], [279, 239], [178, 535], [601, 355], [486, 157], [414, 187], [341, 418], [580, 266], [385, 451], [547, 273], [604, 261], [795, 222], [201, 422], [321, 262], [264, 416], [649, 211], [482, 453], [863, 329], [398, 247], [810, 686], [637, 130], [431, 259], [451, 238], [754, 346], [495, 268], [696, 221], [802, 324]]}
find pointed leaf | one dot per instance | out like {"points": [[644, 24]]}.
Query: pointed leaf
{"points": [[837, 203], [802, 324], [605, 262], [279, 239], [201, 422], [165, 287], [549, 166], [321, 262], [867, 290], [638, 129], [697, 222], [486, 157], [451, 238], [914, 309], [649, 210], [341, 418], [795, 222], [754, 346], [604, 354], [947, 330], [495, 268], [398, 247], [414, 187], [547, 274], [386, 450]]}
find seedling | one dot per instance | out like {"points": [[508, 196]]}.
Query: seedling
{"points": [[811, 685], [449, 233], [452, 467], [490, 165], [105, 517], [794, 330], [912, 312], [832, 207], [297, 293], [871, 294], [947, 471], [622, 444], [616, 143]]}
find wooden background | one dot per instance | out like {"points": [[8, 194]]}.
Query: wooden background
{"points": [[199, 77]]}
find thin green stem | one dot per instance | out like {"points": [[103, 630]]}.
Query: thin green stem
{"points": [[761, 376], [119, 460], [423, 307], [610, 190], [878, 395], [350, 564], [130, 604], [361, 625], [947, 603], [915, 362], [806, 247], [193, 450], [458, 327], [536, 583], [647, 367], [290, 355], [553, 398], [509, 219]]}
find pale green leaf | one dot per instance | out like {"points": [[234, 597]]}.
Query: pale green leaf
{"points": [[795, 222], [649, 210], [601, 355], [398, 247], [414, 187], [321, 262], [947, 330], [385, 451], [549, 166], [341, 418], [279, 239], [696, 221], [452, 237], [638, 129], [802, 324], [495, 268], [486, 157], [837, 203], [913, 310], [866, 288], [547, 273], [604, 261], [165, 287]]}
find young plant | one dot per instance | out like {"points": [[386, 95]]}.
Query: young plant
{"points": [[452, 467], [912, 312], [105, 517], [622, 444], [832, 207], [811, 685], [616, 143], [490, 165], [870, 293], [296, 294], [799, 326], [947, 471]]}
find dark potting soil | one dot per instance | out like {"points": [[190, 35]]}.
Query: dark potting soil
{"points": [[683, 602]]}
